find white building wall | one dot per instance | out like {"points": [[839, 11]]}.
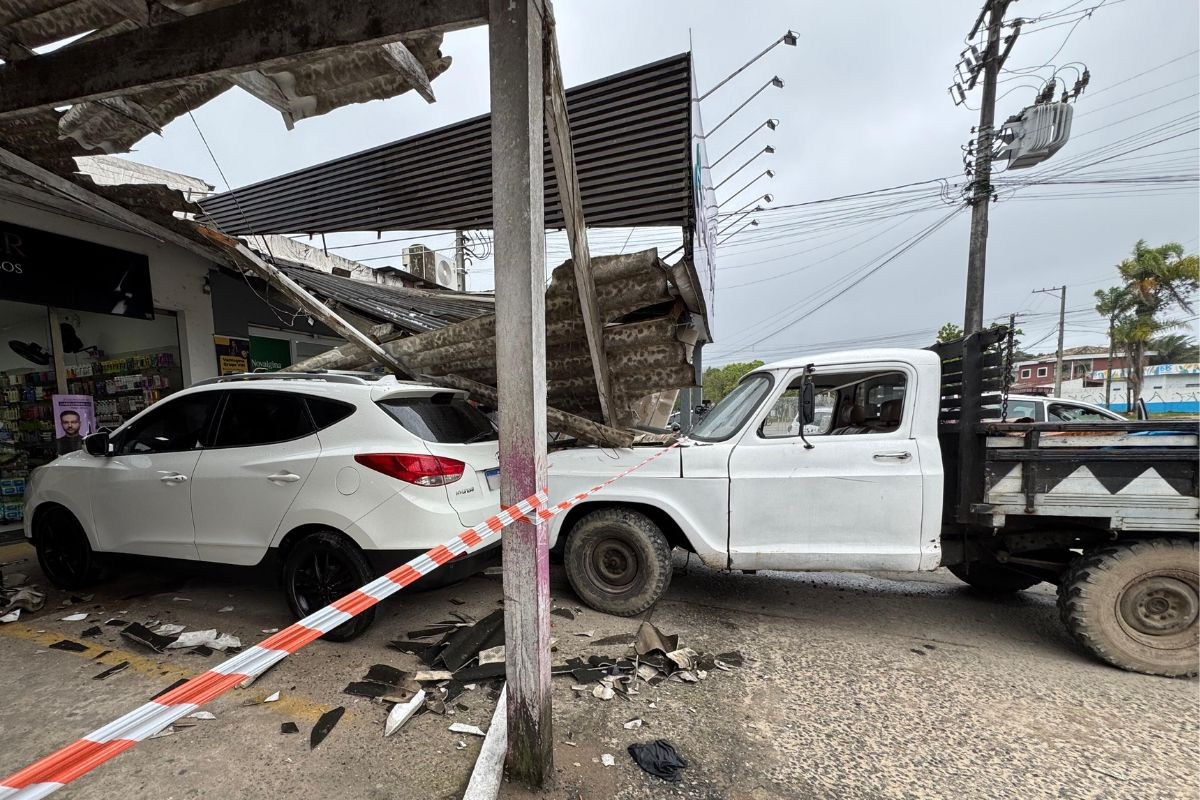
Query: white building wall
{"points": [[176, 278]]}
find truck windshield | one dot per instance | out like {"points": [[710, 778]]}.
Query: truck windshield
{"points": [[729, 415]]}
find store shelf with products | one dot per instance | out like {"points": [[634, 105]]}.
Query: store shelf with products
{"points": [[122, 387], [26, 436]]}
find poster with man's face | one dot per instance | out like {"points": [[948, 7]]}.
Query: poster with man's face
{"points": [[74, 418]]}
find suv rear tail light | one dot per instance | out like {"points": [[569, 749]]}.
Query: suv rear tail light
{"points": [[421, 470]]}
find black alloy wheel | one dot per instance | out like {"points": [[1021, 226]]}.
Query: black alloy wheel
{"points": [[321, 569], [66, 557]]}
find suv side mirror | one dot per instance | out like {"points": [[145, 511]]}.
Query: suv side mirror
{"points": [[808, 404], [97, 444]]}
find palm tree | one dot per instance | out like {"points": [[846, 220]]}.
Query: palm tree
{"points": [[1111, 304], [1174, 348], [1157, 279]]}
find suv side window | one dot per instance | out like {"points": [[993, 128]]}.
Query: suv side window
{"points": [[183, 423], [326, 412], [1068, 413], [254, 417]]}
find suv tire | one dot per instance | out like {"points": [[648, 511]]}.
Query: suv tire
{"points": [[618, 561], [324, 567], [64, 553]]}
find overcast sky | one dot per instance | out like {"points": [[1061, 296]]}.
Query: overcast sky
{"points": [[865, 106]]}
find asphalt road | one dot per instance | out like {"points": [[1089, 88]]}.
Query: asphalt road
{"points": [[892, 686]]}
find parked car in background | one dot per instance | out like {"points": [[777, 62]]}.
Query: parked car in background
{"points": [[1030, 407], [336, 477]]}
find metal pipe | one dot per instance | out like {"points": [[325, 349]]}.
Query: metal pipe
{"points": [[770, 123], [767, 172], [790, 38], [768, 149], [776, 81]]}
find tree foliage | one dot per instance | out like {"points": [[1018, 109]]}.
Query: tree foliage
{"points": [[719, 381], [949, 332], [1174, 348], [1154, 282]]}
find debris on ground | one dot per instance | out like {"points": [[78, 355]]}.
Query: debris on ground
{"points": [[588, 634], [91, 632], [116, 622], [260, 699], [459, 727], [170, 630], [565, 613], [167, 731], [289, 727], [69, 646], [658, 758], [205, 715], [493, 655], [225, 610], [651, 640], [74, 618], [23, 599], [11, 616], [324, 725], [403, 712], [608, 760], [633, 724], [108, 673], [136, 632]]}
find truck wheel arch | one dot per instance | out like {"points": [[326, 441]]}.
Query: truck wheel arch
{"points": [[663, 519]]}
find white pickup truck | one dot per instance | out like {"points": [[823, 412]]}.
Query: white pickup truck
{"points": [[1108, 512]]}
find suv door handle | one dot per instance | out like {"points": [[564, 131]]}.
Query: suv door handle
{"points": [[173, 477], [284, 477], [893, 456]]}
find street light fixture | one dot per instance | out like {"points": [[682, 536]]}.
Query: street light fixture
{"points": [[776, 81], [767, 198], [768, 150], [790, 38], [767, 173], [738, 217], [770, 123]]}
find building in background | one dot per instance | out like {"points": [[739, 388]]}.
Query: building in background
{"points": [[1036, 376]]}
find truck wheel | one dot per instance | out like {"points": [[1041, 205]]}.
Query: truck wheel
{"points": [[1134, 604], [324, 567], [993, 578], [63, 550], [618, 561]]}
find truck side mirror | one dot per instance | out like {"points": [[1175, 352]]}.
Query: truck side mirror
{"points": [[808, 404], [97, 444]]}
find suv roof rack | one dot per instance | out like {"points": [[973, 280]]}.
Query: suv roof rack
{"points": [[356, 378]]}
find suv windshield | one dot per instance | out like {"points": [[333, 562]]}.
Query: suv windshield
{"points": [[445, 418], [728, 416]]}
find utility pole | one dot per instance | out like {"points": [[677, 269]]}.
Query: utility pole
{"points": [[460, 260], [1062, 319], [982, 184]]}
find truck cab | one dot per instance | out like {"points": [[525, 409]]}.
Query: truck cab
{"points": [[879, 482]]}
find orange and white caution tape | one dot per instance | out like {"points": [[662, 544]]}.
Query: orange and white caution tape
{"points": [[49, 774]]}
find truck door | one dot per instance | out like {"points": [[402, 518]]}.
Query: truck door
{"points": [[853, 499]]}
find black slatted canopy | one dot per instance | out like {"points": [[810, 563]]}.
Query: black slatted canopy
{"points": [[631, 134]]}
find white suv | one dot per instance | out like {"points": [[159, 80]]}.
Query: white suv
{"points": [[340, 476]]}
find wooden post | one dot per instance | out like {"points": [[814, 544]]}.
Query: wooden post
{"points": [[515, 55], [558, 127]]}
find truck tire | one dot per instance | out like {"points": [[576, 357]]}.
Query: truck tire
{"points": [[1134, 604], [618, 561], [993, 578], [324, 567]]}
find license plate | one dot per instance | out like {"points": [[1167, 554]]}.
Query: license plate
{"points": [[493, 479]]}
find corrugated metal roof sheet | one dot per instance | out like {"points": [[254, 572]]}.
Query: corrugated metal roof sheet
{"points": [[631, 136], [412, 310]]}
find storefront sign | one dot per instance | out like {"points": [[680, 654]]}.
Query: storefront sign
{"points": [[74, 418], [53, 270], [233, 355], [269, 354]]}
